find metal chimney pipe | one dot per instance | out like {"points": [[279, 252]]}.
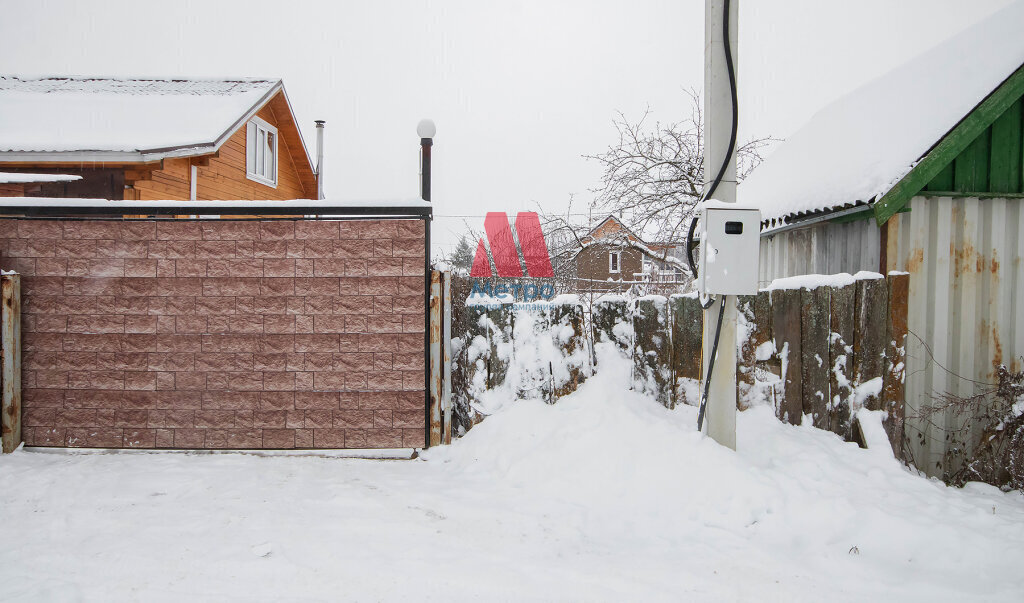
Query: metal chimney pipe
{"points": [[426, 131], [320, 158]]}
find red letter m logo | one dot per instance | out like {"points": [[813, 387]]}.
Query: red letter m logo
{"points": [[503, 247]]}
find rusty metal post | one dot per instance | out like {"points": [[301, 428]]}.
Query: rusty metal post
{"points": [[435, 358], [446, 345], [894, 391], [10, 343]]}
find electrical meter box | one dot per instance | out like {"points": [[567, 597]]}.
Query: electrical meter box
{"points": [[729, 251]]}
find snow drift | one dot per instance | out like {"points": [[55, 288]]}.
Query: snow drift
{"points": [[604, 496]]}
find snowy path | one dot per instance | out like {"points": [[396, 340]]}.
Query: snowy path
{"points": [[604, 496]]}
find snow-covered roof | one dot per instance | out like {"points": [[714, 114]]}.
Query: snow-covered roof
{"points": [[854, 150], [123, 118], [18, 178]]}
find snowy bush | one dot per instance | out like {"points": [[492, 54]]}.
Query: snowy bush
{"points": [[652, 367]]}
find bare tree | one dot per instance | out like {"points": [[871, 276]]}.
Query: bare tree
{"points": [[654, 175]]}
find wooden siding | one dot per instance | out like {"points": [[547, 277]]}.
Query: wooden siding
{"points": [[991, 163], [223, 176]]}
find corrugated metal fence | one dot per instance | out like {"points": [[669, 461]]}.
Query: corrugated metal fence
{"points": [[825, 248], [966, 291]]}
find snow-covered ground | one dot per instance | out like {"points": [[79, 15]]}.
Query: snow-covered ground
{"points": [[603, 496]]}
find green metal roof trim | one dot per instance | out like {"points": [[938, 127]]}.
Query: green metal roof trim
{"points": [[952, 144]]}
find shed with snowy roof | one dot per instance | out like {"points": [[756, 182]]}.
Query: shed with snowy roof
{"points": [[919, 171], [148, 139]]}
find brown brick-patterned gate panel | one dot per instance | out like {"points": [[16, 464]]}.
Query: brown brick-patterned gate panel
{"points": [[221, 334]]}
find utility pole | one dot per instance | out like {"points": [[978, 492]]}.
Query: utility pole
{"points": [[718, 119]]}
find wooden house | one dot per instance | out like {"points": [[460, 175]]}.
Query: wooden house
{"points": [[611, 257], [918, 171], [153, 139]]}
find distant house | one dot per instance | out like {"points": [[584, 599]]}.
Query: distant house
{"points": [[611, 257], [149, 139], [919, 171]]}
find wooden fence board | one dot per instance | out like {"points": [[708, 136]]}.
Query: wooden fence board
{"points": [[604, 316], [746, 358], [869, 336], [571, 348], [786, 333], [841, 320], [652, 347], [500, 327], [814, 331], [687, 324]]}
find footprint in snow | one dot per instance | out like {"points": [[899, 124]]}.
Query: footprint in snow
{"points": [[263, 550]]}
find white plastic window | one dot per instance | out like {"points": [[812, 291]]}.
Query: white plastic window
{"points": [[613, 262], [261, 152]]}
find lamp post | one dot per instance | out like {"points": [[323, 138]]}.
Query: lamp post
{"points": [[426, 131]]}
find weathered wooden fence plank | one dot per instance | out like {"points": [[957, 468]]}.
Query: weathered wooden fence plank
{"points": [[746, 359], [10, 342], [687, 323], [893, 387], [500, 325], [869, 340], [814, 332], [605, 315], [573, 348], [840, 358], [651, 363], [786, 333], [764, 343]]}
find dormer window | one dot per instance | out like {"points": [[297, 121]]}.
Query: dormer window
{"points": [[261, 152]]}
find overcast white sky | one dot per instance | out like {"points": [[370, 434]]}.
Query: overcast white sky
{"points": [[519, 90]]}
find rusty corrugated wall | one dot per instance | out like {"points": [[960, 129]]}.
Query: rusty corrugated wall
{"points": [[966, 291]]}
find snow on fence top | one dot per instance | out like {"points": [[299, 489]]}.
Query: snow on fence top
{"points": [[854, 150], [19, 178], [60, 114], [813, 281]]}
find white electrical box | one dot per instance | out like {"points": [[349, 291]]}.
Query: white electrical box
{"points": [[729, 251]]}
